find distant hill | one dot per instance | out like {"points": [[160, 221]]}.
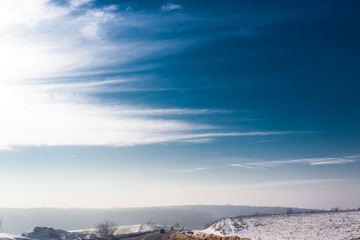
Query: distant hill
{"points": [[17, 220]]}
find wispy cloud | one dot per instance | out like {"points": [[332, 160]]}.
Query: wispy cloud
{"points": [[4, 148], [284, 184], [36, 34], [49, 52], [78, 3], [41, 117], [198, 141], [190, 170], [170, 7], [291, 183], [309, 161]]}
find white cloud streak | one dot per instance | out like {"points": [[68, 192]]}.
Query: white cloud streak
{"points": [[42, 43], [4, 148], [40, 117], [190, 170], [309, 161], [170, 7], [46, 40], [292, 183], [78, 3]]}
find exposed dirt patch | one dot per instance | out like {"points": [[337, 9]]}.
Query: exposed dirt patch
{"points": [[184, 236]]}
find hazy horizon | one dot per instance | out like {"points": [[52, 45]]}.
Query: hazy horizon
{"points": [[148, 103], [15, 220]]}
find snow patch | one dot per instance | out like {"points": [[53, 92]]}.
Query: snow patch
{"points": [[8, 236], [46, 233]]}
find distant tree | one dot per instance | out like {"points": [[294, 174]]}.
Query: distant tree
{"points": [[358, 209], [177, 225], [0, 224], [289, 211], [150, 222], [105, 228], [335, 209]]}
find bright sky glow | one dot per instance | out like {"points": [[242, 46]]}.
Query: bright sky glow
{"points": [[243, 100]]}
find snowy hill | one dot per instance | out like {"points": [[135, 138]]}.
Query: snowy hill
{"points": [[48, 233], [8, 236], [319, 226], [121, 230], [127, 229]]}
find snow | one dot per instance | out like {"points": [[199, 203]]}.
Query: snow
{"points": [[141, 228], [8, 236], [46, 233], [128, 229], [319, 226]]}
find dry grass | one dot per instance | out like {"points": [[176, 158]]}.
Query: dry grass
{"points": [[183, 236]]}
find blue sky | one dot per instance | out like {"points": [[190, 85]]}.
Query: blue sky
{"points": [[146, 103]]}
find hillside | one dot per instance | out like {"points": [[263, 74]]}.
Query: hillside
{"points": [[319, 226], [49, 233]]}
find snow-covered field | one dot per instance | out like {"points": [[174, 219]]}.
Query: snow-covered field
{"points": [[8, 236], [46, 233], [139, 228], [128, 229], [314, 226]]}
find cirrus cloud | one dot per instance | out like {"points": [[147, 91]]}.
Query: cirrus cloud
{"points": [[170, 7], [309, 161], [46, 48]]}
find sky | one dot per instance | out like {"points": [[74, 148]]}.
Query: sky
{"points": [[117, 103]]}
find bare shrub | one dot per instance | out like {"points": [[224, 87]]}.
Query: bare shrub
{"points": [[289, 211], [105, 228], [150, 222], [335, 209]]}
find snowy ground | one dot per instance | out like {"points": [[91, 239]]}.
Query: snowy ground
{"points": [[129, 229], [8, 236], [46, 233], [314, 226]]}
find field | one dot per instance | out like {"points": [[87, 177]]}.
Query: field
{"points": [[317, 226]]}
